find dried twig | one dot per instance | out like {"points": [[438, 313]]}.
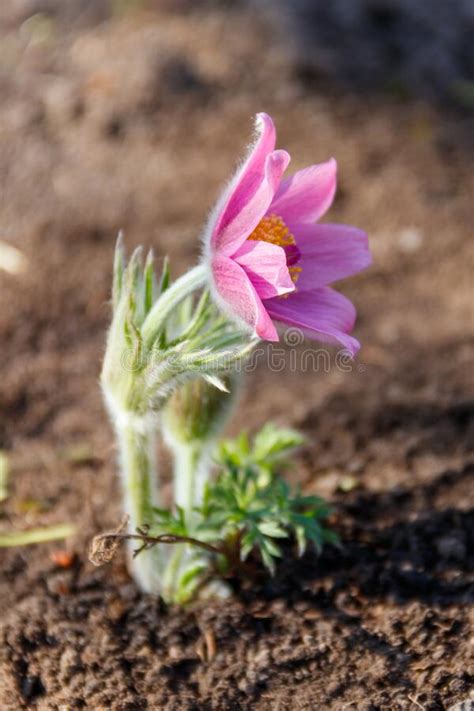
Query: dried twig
{"points": [[105, 545]]}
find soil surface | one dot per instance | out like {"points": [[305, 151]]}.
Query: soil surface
{"points": [[134, 120]]}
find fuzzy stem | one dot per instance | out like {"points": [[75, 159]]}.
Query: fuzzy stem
{"points": [[192, 464], [192, 422], [191, 472], [139, 478]]}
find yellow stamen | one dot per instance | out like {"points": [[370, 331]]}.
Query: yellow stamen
{"points": [[273, 229], [294, 273]]}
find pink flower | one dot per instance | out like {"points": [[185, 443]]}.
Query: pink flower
{"points": [[267, 258]]}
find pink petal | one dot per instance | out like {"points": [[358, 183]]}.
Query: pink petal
{"points": [[250, 175], [231, 235], [329, 253], [265, 265], [306, 195], [238, 297], [322, 314]]}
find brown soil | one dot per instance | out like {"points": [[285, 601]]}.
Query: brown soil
{"points": [[135, 123]]}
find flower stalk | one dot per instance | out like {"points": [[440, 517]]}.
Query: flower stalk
{"points": [[136, 439], [191, 472], [192, 421], [160, 343]]}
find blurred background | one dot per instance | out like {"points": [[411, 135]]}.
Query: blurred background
{"points": [[132, 114]]}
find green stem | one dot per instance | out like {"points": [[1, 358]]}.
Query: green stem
{"points": [[139, 477], [175, 567], [191, 472], [192, 463], [36, 535]]}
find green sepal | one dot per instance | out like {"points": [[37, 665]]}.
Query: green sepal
{"points": [[149, 283], [165, 276], [119, 268]]}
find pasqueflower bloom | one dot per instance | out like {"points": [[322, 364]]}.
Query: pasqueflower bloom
{"points": [[268, 261]]}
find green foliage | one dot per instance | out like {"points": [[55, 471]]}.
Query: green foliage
{"points": [[249, 509], [172, 523], [256, 512], [271, 446]]}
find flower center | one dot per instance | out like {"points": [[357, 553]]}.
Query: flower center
{"points": [[274, 230]]}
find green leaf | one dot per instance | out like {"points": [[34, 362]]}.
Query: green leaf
{"points": [[272, 442], [216, 382], [189, 577], [167, 521], [331, 537], [300, 534], [247, 544], [243, 444], [272, 529], [119, 268], [314, 534], [134, 269], [270, 547], [268, 559], [149, 282], [165, 276], [194, 323]]}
